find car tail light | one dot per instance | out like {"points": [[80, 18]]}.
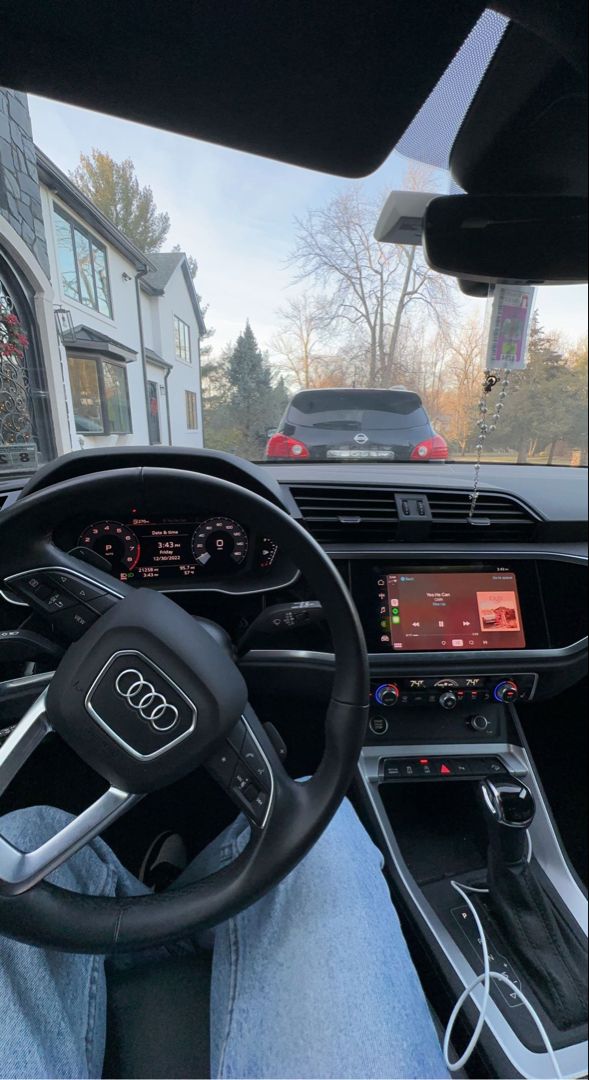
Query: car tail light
{"points": [[434, 449], [282, 446]]}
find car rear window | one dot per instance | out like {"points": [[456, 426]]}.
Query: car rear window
{"points": [[370, 410]]}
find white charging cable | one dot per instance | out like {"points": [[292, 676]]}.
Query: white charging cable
{"points": [[487, 977]]}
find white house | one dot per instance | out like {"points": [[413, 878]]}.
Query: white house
{"points": [[130, 326], [172, 327]]}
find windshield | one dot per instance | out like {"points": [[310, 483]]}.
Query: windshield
{"points": [[158, 290]]}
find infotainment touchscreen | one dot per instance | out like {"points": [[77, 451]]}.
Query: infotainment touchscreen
{"points": [[449, 611]]}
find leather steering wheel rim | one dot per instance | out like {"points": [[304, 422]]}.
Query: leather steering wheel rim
{"points": [[49, 916]]}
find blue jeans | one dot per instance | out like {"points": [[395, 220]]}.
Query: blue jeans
{"points": [[313, 980]]}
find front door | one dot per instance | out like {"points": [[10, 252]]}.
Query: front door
{"points": [[153, 415]]}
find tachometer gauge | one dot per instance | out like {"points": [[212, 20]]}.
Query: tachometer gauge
{"points": [[115, 542], [219, 544]]}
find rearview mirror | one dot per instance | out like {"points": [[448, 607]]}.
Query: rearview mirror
{"points": [[518, 238]]}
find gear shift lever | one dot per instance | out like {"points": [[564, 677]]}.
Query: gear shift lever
{"points": [[540, 939], [510, 810]]}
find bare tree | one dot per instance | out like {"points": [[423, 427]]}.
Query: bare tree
{"points": [[369, 286], [298, 342], [463, 369]]}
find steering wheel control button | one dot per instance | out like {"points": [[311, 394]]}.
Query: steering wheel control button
{"points": [[251, 756], [242, 779], [222, 765], [259, 806], [82, 590], [140, 707], [249, 794], [65, 598], [59, 601], [34, 586], [74, 621]]}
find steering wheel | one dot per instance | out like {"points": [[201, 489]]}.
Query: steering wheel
{"points": [[145, 696]]}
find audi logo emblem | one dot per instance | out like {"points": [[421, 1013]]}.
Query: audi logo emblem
{"points": [[142, 696]]}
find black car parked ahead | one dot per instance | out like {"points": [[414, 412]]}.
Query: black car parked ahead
{"points": [[355, 425]]}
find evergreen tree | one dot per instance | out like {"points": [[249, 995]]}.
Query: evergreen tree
{"points": [[249, 378], [542, 406]]}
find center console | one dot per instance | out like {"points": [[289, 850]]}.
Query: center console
{"points": [[425, 805], [455, 650]]}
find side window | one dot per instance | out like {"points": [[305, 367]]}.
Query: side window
{"points": [[182, 340], [100, 395], [116, 398], [82, 265]]}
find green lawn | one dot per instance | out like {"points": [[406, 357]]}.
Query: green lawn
{"points": [[511, 458]]}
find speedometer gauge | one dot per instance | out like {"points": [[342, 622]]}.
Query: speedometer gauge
{"points": [[115, 542], [219, 544]]}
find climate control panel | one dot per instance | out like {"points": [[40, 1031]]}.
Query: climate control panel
{"points": [[422, 709], [448, 692]]}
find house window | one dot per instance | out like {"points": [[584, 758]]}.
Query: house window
{"points": [[181, 340], [191, 411], [82, 265], [100, 396]]}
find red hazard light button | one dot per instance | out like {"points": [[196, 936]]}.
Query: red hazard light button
{"points": [[445, 770]]}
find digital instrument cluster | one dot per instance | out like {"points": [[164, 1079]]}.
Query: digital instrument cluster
{"points": [[177, 550]]}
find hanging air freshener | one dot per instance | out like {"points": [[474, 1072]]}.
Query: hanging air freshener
{"points": [[509, 317]]}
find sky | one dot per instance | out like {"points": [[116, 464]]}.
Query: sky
{"points": [[236, 214]]}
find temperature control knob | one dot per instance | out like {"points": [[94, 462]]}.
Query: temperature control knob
{"points": [[506, 691], [448, 700], [387, 694]]}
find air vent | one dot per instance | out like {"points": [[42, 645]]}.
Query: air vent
{"points": [[497, 518], [350, 514]]}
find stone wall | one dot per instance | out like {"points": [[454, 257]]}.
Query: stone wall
{"points": [[20, 200]]}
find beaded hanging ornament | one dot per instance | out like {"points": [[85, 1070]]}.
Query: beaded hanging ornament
{"points": [[486, 424]]}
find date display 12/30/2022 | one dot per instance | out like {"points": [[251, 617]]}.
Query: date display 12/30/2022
{"points": [[450, 611]]}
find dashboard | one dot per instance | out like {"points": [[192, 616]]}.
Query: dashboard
{"points": [[440, 603]]}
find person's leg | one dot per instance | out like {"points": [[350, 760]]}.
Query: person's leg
{"points": [[316, 979], [53, 1004], [313, 980]]}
